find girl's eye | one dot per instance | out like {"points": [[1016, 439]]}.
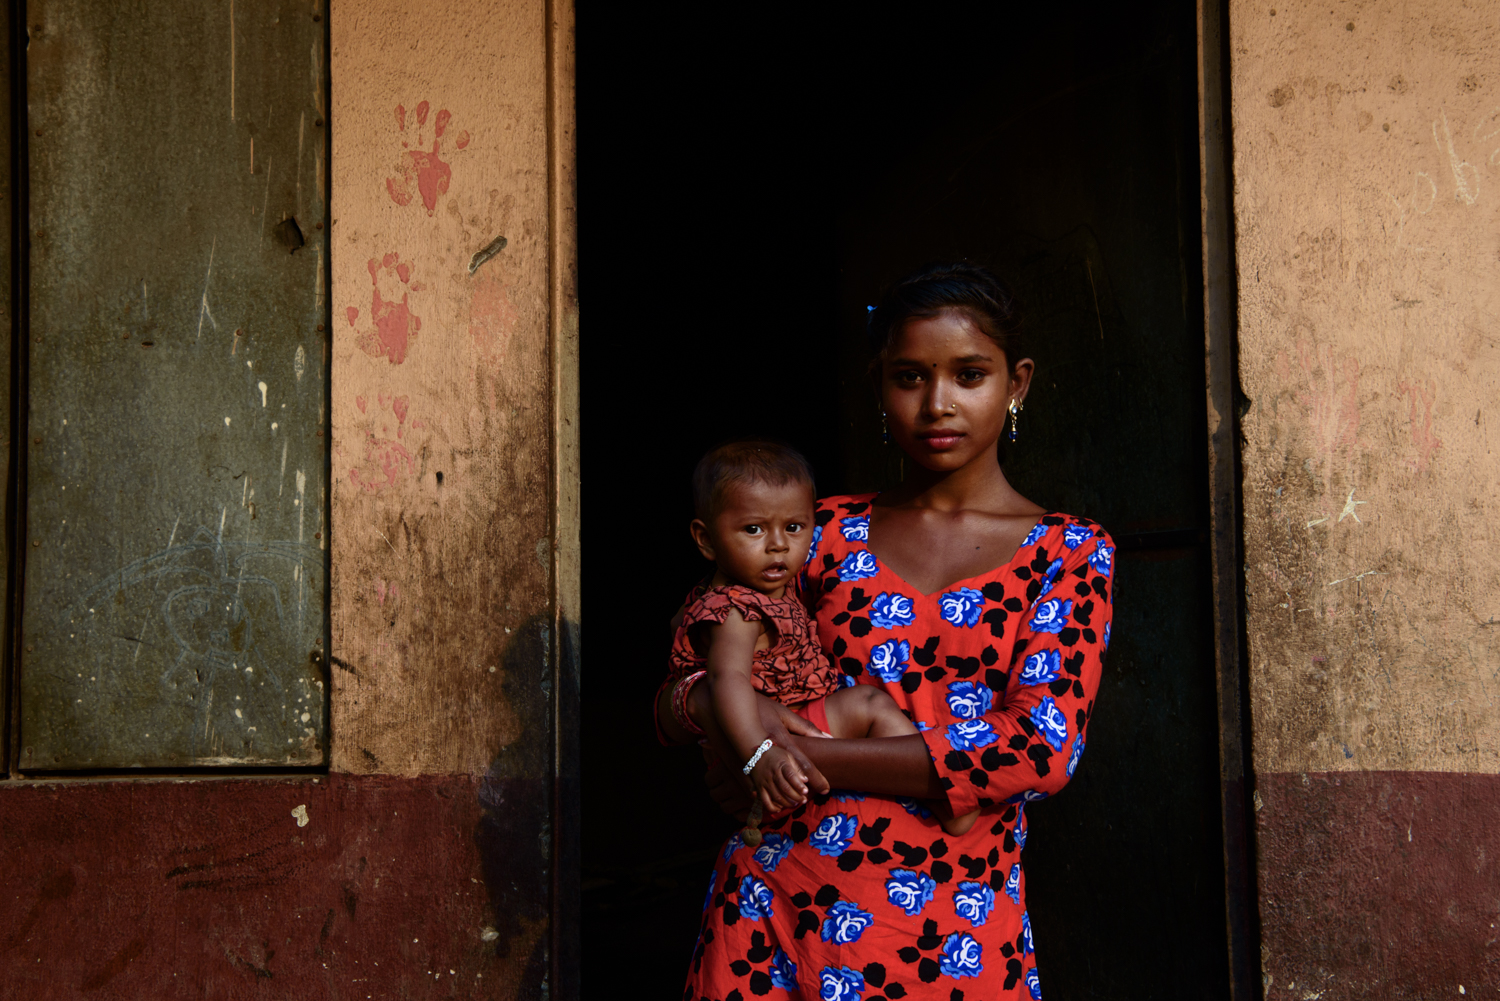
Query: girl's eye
{"points": [[971, 375], [907, 378]]}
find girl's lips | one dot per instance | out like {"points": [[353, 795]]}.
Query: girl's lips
{"points": [[939, 440]]}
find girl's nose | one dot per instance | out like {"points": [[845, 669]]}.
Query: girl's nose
{"points": [[939, 401]]}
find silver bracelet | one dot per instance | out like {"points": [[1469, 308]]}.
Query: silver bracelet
{"points": [[765, 746]]}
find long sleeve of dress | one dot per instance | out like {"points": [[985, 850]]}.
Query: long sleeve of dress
{"points": [[1018, 731]]}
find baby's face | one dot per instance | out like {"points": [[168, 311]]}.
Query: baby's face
{"points": [[761, 533]]}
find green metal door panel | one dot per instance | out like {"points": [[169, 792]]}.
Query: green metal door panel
{"points": [[175, 561]]}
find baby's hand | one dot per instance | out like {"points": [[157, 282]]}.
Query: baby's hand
{"points": [[778, 781]]}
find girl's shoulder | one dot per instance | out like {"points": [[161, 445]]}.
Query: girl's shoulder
{"points": [[1072, 539], [841, 523], [844, 505]]}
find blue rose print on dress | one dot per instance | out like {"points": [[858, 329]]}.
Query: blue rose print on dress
{"points": [[1076, 756], [891, 610], [1103, 558], [1049, 578], [888, 660], [858, 565], [1034, 984], [840, 984], [845, 795], [755, 899], [1076, 535], [833, 835], [971, 734], [771, 851], [1019, 830], [812, 550], [713, 881], [969, 699], [845, 923], [1035, 535], [1106, 634], [1013, 883], [962, 607], [1026, 942], [783, 971], [974, 901], [923, 727], [910, 891], [1051, 722], [962, 956], [1051, 615], [735, 844], [1041, 668], [914, 808], [855, 529]]}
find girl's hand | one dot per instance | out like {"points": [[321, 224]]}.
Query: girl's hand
{"points": [[778, 781], [780, 723]]}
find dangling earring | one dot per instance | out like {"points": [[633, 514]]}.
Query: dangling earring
{"points": [[1015, 408], [885, 430]]}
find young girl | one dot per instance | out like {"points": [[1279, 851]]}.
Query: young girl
{"points": [[754, 502]]}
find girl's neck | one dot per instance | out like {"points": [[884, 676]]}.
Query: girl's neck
{"points": [[980, 485]]}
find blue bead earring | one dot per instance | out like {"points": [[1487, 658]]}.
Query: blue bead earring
{"points": [[885, 430], [1015, 408]]}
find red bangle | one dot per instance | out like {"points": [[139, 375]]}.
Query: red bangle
{"points": [[680, 694]]}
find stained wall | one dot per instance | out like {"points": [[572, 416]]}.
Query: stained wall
{"points": [[1366, 151], [422, 864]]}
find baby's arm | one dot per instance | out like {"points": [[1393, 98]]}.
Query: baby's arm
{"points": [[776, 777]]}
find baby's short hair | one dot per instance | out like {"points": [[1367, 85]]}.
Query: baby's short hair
{"points": [[749, 460]]}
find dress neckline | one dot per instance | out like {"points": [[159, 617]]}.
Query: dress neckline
{"points": [[962, 580]]}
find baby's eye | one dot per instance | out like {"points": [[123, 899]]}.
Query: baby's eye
{"points": [[753, 529], [795, 527]]}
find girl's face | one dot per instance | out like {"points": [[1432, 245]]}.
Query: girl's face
{"points": [[946, 388]]}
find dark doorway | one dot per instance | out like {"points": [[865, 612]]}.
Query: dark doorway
{"points": [[749, 181]]}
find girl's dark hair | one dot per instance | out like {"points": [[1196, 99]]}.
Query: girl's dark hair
{"points": [[968, 288], [752, 460]]}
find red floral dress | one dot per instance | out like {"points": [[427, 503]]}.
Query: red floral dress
{"points": [[864, 897]]}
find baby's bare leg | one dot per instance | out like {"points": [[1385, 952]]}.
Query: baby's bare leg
{"points": [[865, 711]]}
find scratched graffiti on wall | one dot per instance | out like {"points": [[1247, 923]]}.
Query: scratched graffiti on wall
{"points": [[211, 644]]}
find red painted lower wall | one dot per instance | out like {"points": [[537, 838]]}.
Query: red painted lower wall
{"points": [[1380, 884], [172, 889]]}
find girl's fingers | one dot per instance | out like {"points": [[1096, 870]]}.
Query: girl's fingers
{"points": [[796, 724]]}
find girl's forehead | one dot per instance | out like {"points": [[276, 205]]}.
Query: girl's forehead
{"points": [[949, 334]]}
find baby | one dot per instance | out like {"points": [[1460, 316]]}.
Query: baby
{"points": [[748, 630]]}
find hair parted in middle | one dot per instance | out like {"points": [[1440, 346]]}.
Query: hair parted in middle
{"points": [[970, 289], [745, 460]]}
